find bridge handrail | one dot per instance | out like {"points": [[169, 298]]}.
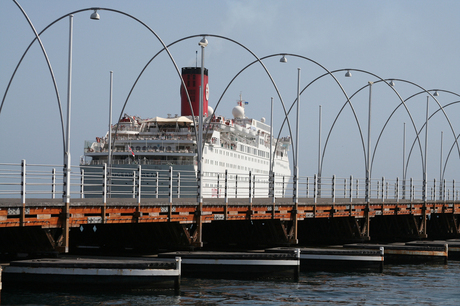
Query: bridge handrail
{"points": [[90, 181]]}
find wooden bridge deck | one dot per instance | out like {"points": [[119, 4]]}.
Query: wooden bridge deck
{"points": [[50, 213]]}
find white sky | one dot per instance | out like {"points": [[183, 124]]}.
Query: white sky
{"points": [[412, 40]]}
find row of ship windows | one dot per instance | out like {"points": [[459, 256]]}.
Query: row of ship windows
{"points": [[255, 152], [233, 166]]}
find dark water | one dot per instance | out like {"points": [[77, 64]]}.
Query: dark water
{"points": [[396, 285]]}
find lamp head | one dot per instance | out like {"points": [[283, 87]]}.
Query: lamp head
{"points": [[95, 15], [392, 83], [283, 59], [348, 74], [436, 93], [203, 42]]}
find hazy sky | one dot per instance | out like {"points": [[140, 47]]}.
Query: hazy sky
{"points": [[413, 40]]}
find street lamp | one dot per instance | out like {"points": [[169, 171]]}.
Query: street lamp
{"points": [[368, 164], [95, 15], [203, 43]]}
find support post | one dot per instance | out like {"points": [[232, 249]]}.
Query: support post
{"points": [[226, 194], [23, 192], [315, 188], [178, 184], [170, 193], [351, 188], [134, 184], [53, 183], [139, 186], [156, 184], [218, 184], [104, 192], [82, 184], [333, 189]]}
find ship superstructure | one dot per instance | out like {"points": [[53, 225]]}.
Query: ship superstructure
{"points": [[238, 145]]}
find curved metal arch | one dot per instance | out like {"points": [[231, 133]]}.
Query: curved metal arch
{"points": [[258, 60], [37, 37], [440, 108], [328, 73], [336, 118], [421, 128], [282, 102], [139, 76], [448, 155], [79, 11], [387, 121]]}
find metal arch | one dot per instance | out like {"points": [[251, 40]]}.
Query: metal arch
{"points": [[37, 36], [79, 11], [440, 108], [380, 80], [405, 170], [448, 155], [352, 108], [142, 72], [258, 60], [328, 73], [282, 102], [208, 35], [456, 138]]}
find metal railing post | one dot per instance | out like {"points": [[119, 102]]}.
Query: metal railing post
{"points": [[283, 189], [218, 184], [383, 189], [134, 184], [23, 181], [333, 188], [351, 188], [178, 185], [357, 188], [444, 190], [53, 183], [315, 188], [411, 189], [226, 194], [170, 184], [104, 183], [397, 189], [307, 193], [139, 184], [156, 184], [82, 184], [236, 186], [250, 183], [226, 186]]}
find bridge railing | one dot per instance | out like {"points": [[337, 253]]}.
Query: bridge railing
{"points": [[46, 181]]}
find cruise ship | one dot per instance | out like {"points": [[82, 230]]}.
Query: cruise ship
{"points": [[164, 150]]}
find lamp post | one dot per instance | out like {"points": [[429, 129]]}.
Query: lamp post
{"points": [[109, 157], [67, 169], [368, 164], [203, 43], [319, 151], [404, 162], [425, 178], [296, 167]]}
